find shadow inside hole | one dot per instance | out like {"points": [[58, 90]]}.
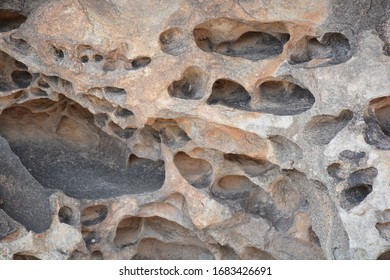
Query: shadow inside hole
{"points": [[190, 86], [72, 154], [252, 41], [377, 118], [58, 53], [283, 98], [355, 195], [230, 94], [94, 215], [172, 41], [333, 48], [65, 215], [321, 129], [21, 78], [140, 62], [10, 20], [254, 46]]}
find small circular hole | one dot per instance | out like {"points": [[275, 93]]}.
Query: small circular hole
{"points": [[98, 57], [84, 59], [58, 53]]}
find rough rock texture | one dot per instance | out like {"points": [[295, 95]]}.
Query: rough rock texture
{"points": [[215, 129]]}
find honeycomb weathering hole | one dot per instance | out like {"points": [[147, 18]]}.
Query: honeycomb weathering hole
{"points": [[21, 78], [10, 20], [320, 130], [251, 166], [190, 86], [253, 46], [172, 41], [123, 112], [173, 136], [359, 187], [383, 115], [140, 62], [253, 41], [230, 94], [233, 187], [63, 149], [384, 230], [377, 118], [94, 215], [333, 48], [65, 215], [196, 171], [355, 195], [13, 73], [127, 232], [283, 98]]}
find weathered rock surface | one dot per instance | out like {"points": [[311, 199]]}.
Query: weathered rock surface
{"points": [[235, 129]]}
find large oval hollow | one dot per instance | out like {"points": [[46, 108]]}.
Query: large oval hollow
{"points": [[283, 98]]}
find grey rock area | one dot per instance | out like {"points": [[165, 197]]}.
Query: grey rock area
{"points": [[236, 129]]}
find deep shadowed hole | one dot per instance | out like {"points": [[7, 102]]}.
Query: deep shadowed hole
{"points": [[127, 232], [334, 171], [21, 78], [229, 93], [172, 41], [59, 54], [357, 194], [10, 20], [283, 98], [115, 90], [125, 133], [254, 46], [123, 112], [65, 215], [140, 62], [84, 59], [189, 87]]}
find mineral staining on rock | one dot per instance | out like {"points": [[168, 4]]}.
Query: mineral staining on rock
{"points": [[194, 129]]}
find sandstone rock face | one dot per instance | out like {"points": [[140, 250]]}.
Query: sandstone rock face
{"points": [[213, 129]]}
